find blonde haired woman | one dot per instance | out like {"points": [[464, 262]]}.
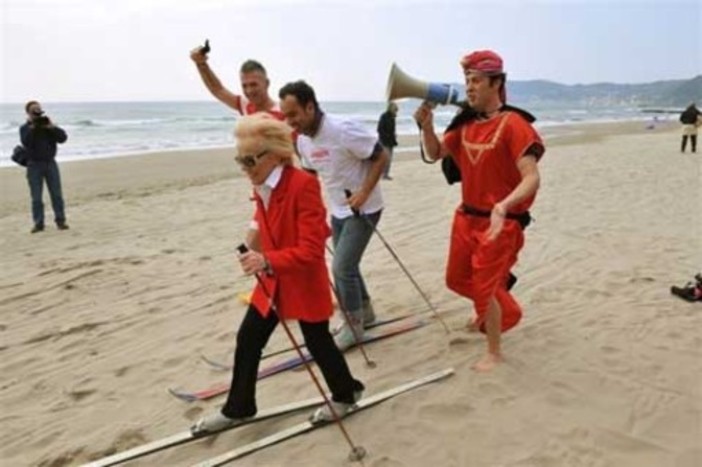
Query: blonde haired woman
{"points": [[287, 239]]}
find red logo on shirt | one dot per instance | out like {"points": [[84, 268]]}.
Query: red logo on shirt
{"points": [[319, 154]]}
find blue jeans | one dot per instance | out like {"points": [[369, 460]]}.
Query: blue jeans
{"points": [[350, 237], [37, 172]]}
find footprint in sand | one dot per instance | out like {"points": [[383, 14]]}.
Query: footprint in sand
{"points": [[387, 462], [175, 361], [503, 401], [67, 458], [608, 349], [192, 414], [445, 411], [79, 395], [126, 440], [459, 341], [634, 280]]}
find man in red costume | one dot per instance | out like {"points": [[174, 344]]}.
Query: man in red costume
{"points": [[497, 151]]}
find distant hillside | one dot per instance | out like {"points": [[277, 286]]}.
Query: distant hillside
{"points": [[670, 93]]}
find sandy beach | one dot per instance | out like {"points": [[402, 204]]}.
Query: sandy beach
{"points": [[605, 369]]}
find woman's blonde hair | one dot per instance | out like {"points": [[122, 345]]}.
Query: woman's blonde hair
{"points": [[264, 130]]}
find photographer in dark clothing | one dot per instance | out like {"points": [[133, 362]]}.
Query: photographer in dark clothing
{"points": [[39, 137]]}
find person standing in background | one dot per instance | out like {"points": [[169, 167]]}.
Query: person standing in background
{"points": [[388, 135], [691, 119], [40, 136]]}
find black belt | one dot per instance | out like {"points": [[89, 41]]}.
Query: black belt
{"points": [[524, 218]]}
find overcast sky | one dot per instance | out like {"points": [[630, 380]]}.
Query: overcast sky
{"points": [[124, 50]]}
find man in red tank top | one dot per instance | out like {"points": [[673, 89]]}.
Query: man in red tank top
{"points": [[497, 155], [254, 84]]}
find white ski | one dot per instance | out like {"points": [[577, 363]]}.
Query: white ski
{"points": [[187, 436], [306, 426]]}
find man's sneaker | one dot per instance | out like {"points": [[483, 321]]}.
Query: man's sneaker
{"points": [[62, 226], [346, 337], [368, 314], [325, 415], [37, 228], [215, 422]]}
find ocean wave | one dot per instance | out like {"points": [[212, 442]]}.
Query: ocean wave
{"points": [[10, 127]]}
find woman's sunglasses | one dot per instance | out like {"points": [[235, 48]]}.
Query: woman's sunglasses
{"points": [[250, 160]]}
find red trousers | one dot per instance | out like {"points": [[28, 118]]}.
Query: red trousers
{"points": [[478, 269]]}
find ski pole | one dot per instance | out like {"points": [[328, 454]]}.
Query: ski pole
{"points": [[359, 341], [357, 213], [357, 452]]}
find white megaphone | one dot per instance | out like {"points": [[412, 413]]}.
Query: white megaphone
{"points": [[401, 85]]}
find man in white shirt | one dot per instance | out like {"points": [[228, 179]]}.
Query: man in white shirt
{"points": [[350, 161]]}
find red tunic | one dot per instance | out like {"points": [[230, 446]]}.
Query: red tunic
{"points": [[293, 232], [487, 153]]}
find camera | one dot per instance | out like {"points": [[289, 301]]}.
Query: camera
{"points": [[39, 118]]}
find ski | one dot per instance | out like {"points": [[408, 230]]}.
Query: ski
{"points": [[187, 436], [306, 426], [227, 367], [295, 361]]}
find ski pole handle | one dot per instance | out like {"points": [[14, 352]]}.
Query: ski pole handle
{"points": [[348, 194], [242, 248]]}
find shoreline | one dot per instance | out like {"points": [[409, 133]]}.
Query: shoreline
{"points": [[549, 129], [110, 177]]}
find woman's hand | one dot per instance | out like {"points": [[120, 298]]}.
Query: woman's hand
{"points": [[253, 262]]}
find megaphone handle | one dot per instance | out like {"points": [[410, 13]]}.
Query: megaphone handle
{"points": [[421, 143]]}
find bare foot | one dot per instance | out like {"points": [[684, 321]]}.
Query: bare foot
{"points": [[487, 363]]}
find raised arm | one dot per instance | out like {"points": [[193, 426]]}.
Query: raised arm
{"points": [[213, 84]]}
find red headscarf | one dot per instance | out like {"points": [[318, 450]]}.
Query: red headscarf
{"points": [[485, 61]]}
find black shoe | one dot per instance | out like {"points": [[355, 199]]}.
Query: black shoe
{"points": [[62, 226], [689, 293], [37, 228]]}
